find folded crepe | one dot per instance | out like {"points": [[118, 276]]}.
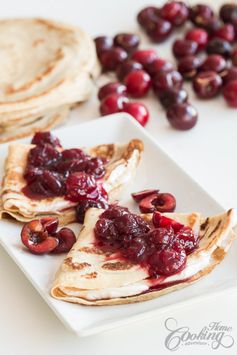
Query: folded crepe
{"points": [[89, 276], [123, 160]]}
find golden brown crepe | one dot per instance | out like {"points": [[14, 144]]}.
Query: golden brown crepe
{"points": [[123, 160], [88, 276]]}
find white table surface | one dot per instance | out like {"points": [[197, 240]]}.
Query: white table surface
{"points": [[208, 153]]}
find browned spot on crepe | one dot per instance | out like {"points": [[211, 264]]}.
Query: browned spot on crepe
{"points": [[204, 224], [134, 144], [94, 250], [75, 266], [215, 229], [92, 275], [118, 265], [192, 219], [104, 151], [219, 254]]}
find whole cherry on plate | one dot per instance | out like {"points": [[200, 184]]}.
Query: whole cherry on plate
{"points": [[144, 56], [219, 46], [226, 32], [171, 97], [159, 31], [228, 13], [167, 80], [103, 43], [175, 11], [138, 83], [111, 58], [214, 62], [182, 116], [183, 47], [128, 41], [159, 65], [207, 84], [230, 75], [112, 104], [148, 16], [201, 14], [138, 111], [188, 66], [111, 88]]}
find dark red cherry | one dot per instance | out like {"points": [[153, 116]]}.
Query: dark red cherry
{"points": [[167, 80], [198, 35], [144, 56], [167, 262], [112, 104], [66, 238], [234, 57], [164, 222], [36, 238], [105, 230], [219, 46], [230, 93], [201, 14], [43, 155], [138, 83], [214, 62], [127, 67], [226, 32], [162, 202], [176, 12], [111, 58], [114, 211], [171, 97], [103, 43], [189, 65], [128, 41], [136, 250], [148, 16], [74, 153], [50, 224], [160, 30], [184, 47], [230, 75], [138, 196], [138, 111], [46, 137], [188, 239], [111, 88], [84, 205], [228, 13], [159, 65], [81, 186], [207, 84], [182, 116], [161, 237]]}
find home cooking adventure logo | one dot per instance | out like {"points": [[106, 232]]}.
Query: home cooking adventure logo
{"points": [[215, 335]]}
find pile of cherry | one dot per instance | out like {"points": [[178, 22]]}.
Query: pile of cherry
{"points": [[205, 55]]}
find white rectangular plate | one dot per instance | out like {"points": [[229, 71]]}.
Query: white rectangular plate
{"points": [[157, 170]]}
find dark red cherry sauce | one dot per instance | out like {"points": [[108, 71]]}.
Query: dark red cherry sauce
{"points": [[161, 246], [52, 171]]}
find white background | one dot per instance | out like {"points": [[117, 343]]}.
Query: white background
{"points": [[208, 153]]}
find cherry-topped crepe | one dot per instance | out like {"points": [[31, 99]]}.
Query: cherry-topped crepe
{"points": [[121, 257], [44, 179]]}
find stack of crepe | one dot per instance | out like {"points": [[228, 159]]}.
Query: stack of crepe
{"points": [[46, 68]]}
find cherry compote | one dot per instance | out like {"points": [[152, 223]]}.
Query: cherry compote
{"points": [[160, 246]]}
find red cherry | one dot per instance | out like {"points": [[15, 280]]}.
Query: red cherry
{"points": [[138, 111], [111, 58], [128, 41], [160, 30], [138, 83], [176, 12], [66, 238], [111, 88], [126, 67], [168, 261], [226, 32], [144, 56], [138, 196], [112, 104], [198, 35], [50, 224], [159, 65], [81, 186], [182, 116], [230, 93]]}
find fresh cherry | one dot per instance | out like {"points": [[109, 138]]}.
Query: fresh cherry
{"points": [[148, 16], [167, 80], [111, 88], [184, 47], [219, 46], [138, 196], [41, 138], [111, 58], [127, 67], [144, 56], [103, 43], [230, 93], [112, 104], [214, 62], [162, 202], [230, 75], [159, 65], [189, 65], [66, 238], [228, 13], [226, 32], [176, 12], [198, 35], [182, 116], [207, 84], [171, 97], [50, 224], [36, 238], [160, 30], [201, 15], [128, 41], [138, 83], [138, 111]]}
